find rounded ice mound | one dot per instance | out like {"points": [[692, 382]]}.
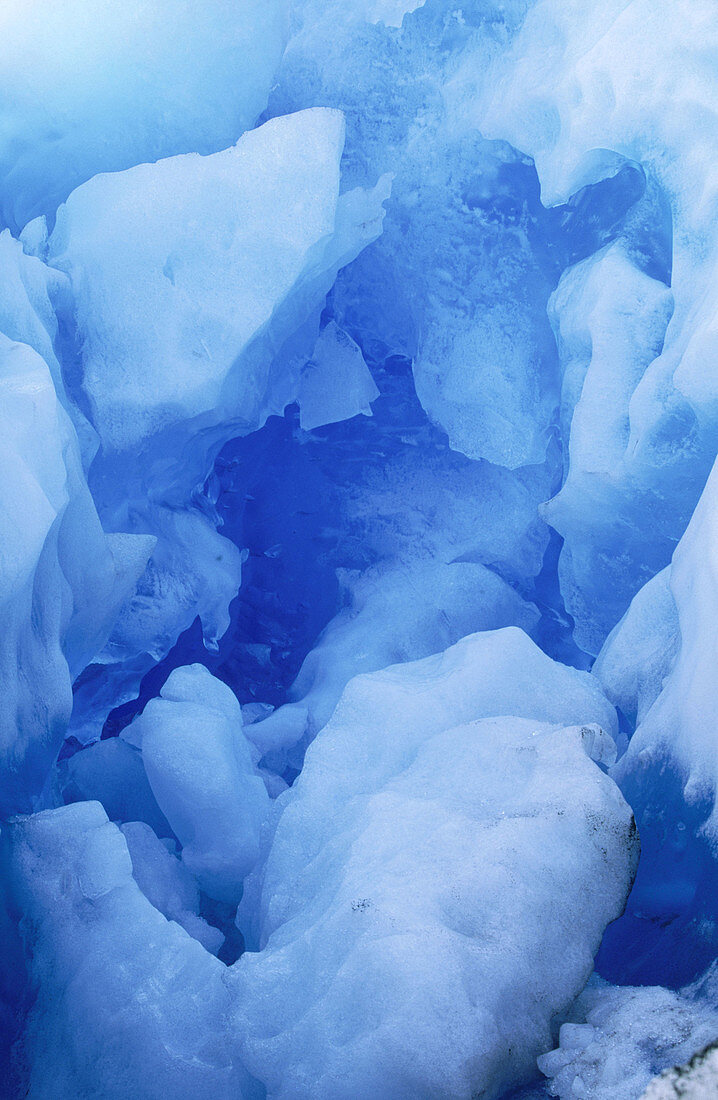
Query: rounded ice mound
{"points": [[446, 916], [200, 769], [94, 86], [128, 1003], [437, 884], [438, 880]]}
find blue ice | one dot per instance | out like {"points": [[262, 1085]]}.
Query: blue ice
{"points": [[358, 529]]}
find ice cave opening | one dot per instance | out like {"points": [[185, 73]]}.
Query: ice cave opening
{"points": [[358, 524]]}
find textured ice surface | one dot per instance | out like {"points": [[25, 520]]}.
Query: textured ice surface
{"points": [[455, 281], [693, 1081], [431, 886], [356, 12], [618, 1037], [492, 673], [166, 882], [670, 770], [63, 579], [680, 722], [30, 294]]}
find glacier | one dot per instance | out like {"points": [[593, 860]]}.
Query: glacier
{"points": [[358, 528]]}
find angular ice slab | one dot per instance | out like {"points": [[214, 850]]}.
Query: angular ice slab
{"points": [[92, 86], [177, 267], [336, 383], [200, 770], [435, 891]]}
